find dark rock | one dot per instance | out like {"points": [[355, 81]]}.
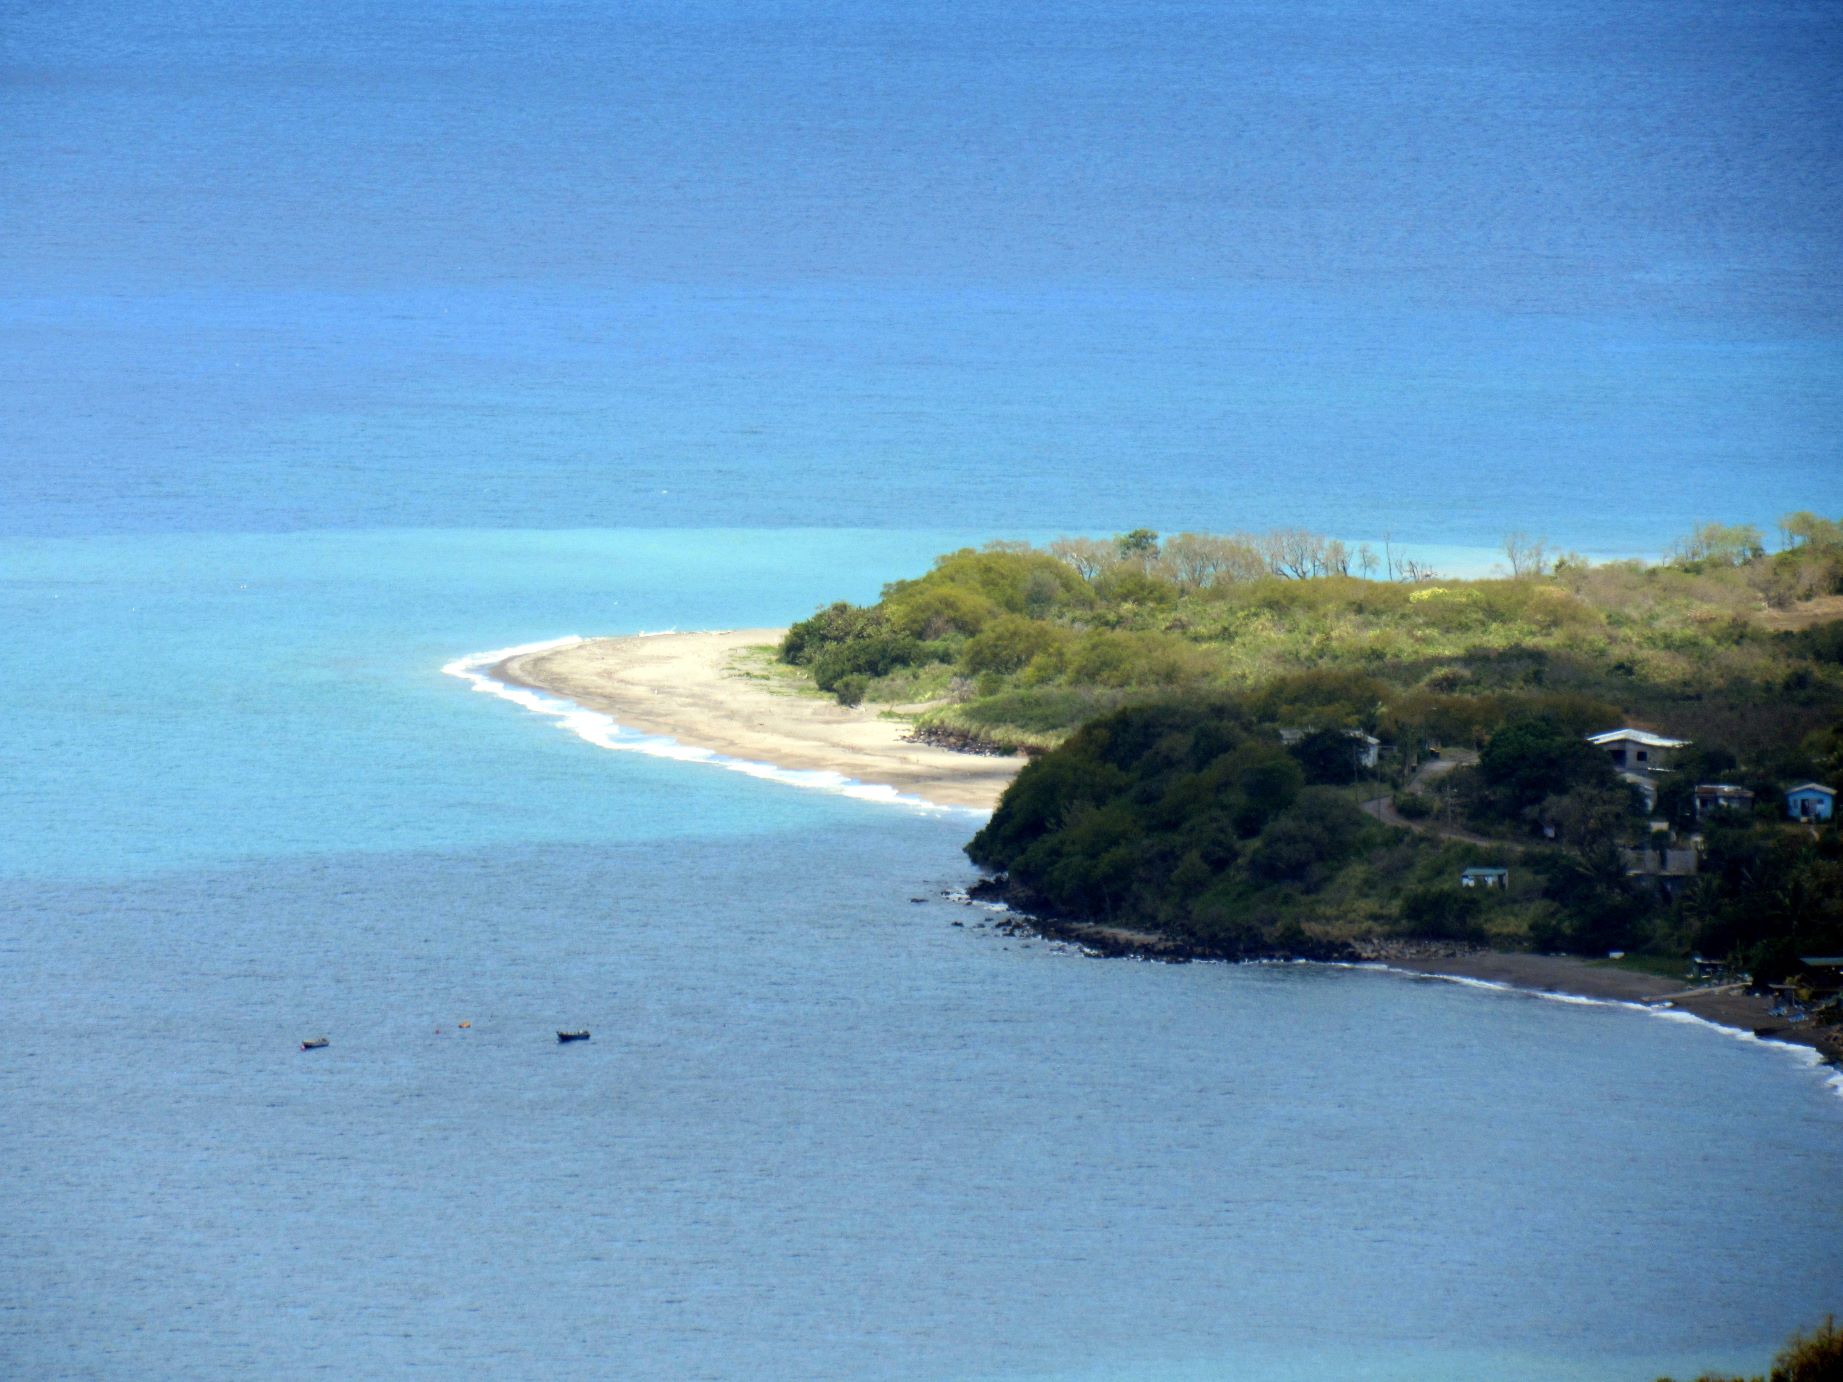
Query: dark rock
{"points": [[960, 741]]}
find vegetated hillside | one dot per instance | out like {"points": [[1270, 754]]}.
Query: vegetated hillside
{"points": [[1155, 678]]}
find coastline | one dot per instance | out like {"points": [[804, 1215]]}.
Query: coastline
{"points": [[696, 690], [1563, 977], [1571, 976]]}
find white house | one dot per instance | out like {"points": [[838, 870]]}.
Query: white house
{"points": [[1637, 750]]}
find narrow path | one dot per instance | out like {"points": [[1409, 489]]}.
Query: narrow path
{"points": [[1383, 807]]}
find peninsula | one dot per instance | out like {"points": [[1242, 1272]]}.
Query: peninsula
{"points": [[1247, 746], [1241, 748]]}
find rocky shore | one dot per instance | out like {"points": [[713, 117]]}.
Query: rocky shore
{"points": [[1727, 1005], [963, 741]]}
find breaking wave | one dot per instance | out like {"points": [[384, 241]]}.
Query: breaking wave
{"points": [[604, 732]]}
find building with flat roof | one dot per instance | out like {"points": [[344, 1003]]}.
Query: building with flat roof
{"points": [[1721, 796]]}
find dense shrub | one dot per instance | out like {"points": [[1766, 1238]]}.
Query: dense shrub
{"points": [[875, 655], [1442, 913], [835, 624], [1155, 808], [1008, 644], [1530, 761], [1412, 806], [1155, 673]]}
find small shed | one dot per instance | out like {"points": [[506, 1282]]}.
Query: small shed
{"points": [[1484, 878], [1721, 796], [1810, 801]]}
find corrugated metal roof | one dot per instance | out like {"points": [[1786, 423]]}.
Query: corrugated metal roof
{"points": [[1638, 736]]}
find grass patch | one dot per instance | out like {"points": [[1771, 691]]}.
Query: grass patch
{"points": [[1662, 966]]}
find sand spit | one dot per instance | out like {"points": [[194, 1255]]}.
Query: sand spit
{"points": [[710, 691]]}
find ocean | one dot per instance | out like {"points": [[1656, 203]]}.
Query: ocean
{"points": [[344, 343]]}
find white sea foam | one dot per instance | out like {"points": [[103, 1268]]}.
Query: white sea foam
{"points": [[1804, 1055], [604, 732]]}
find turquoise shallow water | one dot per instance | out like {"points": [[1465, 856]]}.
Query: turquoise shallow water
{"points": [[338, 342], [819, 1129]]}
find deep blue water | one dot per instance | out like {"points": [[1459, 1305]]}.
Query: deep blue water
{"points": [[1444, 272], [820, 1131], [337, 342]]}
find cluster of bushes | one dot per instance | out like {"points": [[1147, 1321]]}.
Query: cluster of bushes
{"points": [[1690, 642], [1005, 619], [845, 647], [1187, 814]]}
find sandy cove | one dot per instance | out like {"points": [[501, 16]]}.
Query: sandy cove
{"points": [[695, 688]]}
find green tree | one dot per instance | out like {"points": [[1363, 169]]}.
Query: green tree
{"points": [[1008, 644], [1138, 543], [1329, 756], [1718, 544], [1528, 761]]}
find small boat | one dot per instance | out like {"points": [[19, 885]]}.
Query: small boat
{"points": [[573, 1036], [314, 1044]]}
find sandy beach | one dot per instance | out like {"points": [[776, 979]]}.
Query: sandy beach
{"points": [[716, 691]]}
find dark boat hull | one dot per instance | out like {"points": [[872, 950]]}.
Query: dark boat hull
{"points": [[572, 1036]]}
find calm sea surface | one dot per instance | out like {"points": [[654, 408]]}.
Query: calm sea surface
{"points": [[337, 342]]}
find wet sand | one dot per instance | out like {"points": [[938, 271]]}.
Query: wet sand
{"points": [[701, 690]]}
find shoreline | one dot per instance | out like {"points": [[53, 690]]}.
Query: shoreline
{"points": [[687, 688], [691, 689], [1562, 977], [1728, 1006]]}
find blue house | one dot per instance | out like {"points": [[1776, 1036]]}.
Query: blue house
{"points": [[1810, 801]]}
